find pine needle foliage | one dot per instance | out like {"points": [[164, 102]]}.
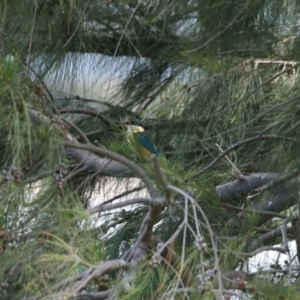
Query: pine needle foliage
{"points": [[208, 79]]}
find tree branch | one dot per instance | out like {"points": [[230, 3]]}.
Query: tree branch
{"points": [[94, 163], [83, 279], [253, 211], [76, 110], [138, 171], [101, 207], [241, 188], [91, 161], [266, 238]]}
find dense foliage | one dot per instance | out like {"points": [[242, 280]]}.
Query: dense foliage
{"points": [[216, 85]]}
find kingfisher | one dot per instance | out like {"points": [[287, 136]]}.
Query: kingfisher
{"points": [[140, 140]]}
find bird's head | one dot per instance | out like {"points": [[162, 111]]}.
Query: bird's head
{"points": [[134, 126], [137, 122]]}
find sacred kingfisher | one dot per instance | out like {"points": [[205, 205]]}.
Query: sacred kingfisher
{"points": [[140, 140]]}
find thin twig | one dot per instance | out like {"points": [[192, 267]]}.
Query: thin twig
{"points": [[259, 250], [93, 132], [217, 35], [285, 242], [237, 145], [106, 207], [93, 113], [119, 41], [32, 30], [266, 82], [123, 195], [50, 96], [161, 178], [175, 272], [276, 182], [83, 13], [211, 233], [182, 258], [257, 117], [264, 238], [75, 172], [231, 163], [103, 268], [254, 211], [84, 182], [85, 138]]}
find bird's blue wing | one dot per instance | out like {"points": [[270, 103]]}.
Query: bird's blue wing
{"points": [[143, 140]]}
